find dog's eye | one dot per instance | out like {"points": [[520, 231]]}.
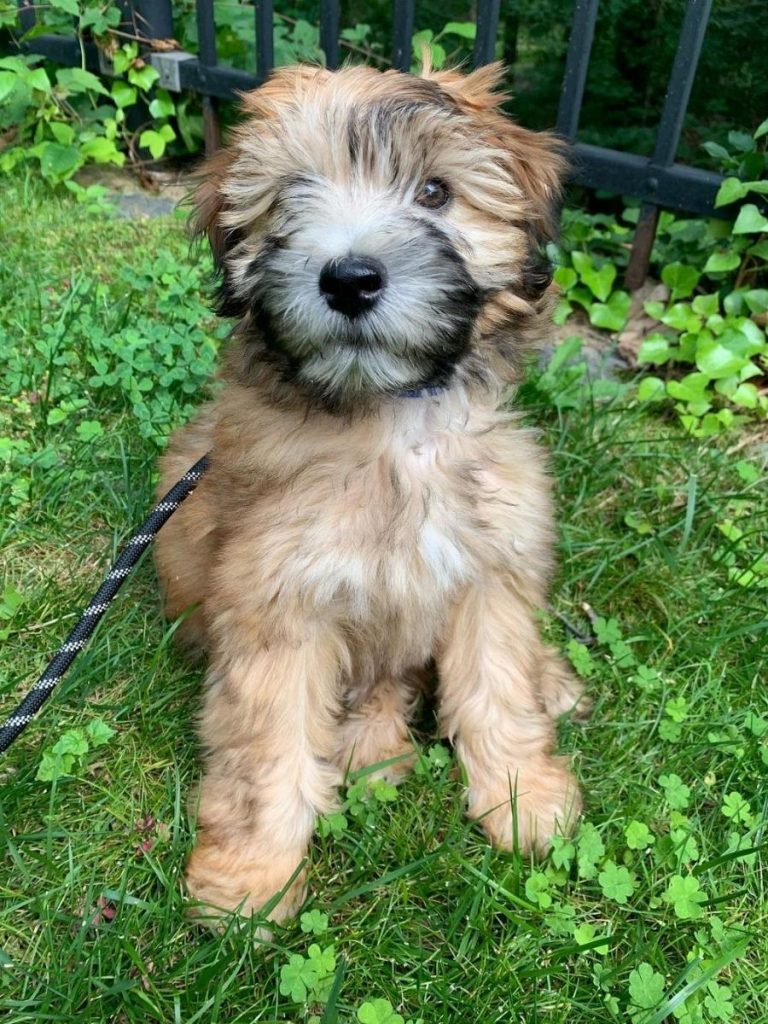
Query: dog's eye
{"points": [[433, 194]]}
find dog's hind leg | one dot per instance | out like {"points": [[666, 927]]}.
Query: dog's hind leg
{"points": [[491, 706], [377, 730]]}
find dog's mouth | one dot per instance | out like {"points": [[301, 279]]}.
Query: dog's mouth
{"points": [[394, 312], [353, 361]]}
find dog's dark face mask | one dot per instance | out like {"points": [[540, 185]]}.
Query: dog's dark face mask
{"points": [[362, 223]]}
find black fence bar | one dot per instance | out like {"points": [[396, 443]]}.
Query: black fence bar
{"points": [[220, 82], [487, 25], [330, 20], [206, 44], [64, 50], [265, 46], [681, 80], [402, 31], [576, 67], [678, 187], [676, 100], [206, 33], [27, 17], [154, 18]]}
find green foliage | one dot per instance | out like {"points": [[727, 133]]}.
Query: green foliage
{"points": [[585, 284], [718, 336], [309, 979], [67, 756], [66, 121]]}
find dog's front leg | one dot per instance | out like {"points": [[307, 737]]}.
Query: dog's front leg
{"points": [[268, 727], [490, 665]]}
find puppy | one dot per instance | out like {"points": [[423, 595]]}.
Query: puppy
{"points": [[367, 508]]}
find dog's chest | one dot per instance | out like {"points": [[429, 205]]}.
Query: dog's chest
{"points": [[392, 538]]}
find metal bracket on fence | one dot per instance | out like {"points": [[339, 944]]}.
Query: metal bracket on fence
{"points": [[167, 66]]}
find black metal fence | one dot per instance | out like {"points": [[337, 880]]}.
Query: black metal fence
{"points": [[657, 181]]}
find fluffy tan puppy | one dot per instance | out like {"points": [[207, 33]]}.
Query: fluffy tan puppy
{"points": [[368, 509]]}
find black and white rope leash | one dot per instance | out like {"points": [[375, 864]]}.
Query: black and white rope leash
{"points": [[101, 600]]}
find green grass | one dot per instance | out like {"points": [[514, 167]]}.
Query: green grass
{"points": [[421, 913]]}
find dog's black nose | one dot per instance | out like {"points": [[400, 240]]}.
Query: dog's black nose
{"points": [[352, 284]]}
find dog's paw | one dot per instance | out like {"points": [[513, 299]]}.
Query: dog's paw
{"points": [[528, 806], [381, 741], [562, 691], [223, 881]]}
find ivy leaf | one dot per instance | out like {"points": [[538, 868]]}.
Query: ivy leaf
{"points": [[721, 262], [617, 883], [638, 836], [102, 151], [565, 277], [162, 105], [646, 987], [77, 80], [611, 316], [599, 281], [750, 221], [123, 94], [714, 359], [465, 29], [144, 78], [680, 279], [651, 389], [656, 349], [153, 141], [730, 191], [686, 897], [693, 389], [58, 162], [378, 1011]]}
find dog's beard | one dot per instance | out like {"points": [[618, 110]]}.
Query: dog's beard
{"points": [[416, 334]]}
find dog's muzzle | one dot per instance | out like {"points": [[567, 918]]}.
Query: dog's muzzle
{"points": [[352, 285]]}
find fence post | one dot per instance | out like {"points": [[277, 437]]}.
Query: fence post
{"points": [[670, 126], [27, 17], [576, 67], [208, 57], [402, 30], [155, 18]]}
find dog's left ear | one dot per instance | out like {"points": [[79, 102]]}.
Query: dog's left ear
{"points": [[536, 160]]}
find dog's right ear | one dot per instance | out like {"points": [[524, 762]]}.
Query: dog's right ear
{"points": [[209, 208], [209, 205]]}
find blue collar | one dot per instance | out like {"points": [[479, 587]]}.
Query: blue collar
{"points": [[420, 392]]}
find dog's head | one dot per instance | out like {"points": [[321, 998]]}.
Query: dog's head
{"points": [[377, 233]]}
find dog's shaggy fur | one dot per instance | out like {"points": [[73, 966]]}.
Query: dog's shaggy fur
{"points": [[348, 532]]}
